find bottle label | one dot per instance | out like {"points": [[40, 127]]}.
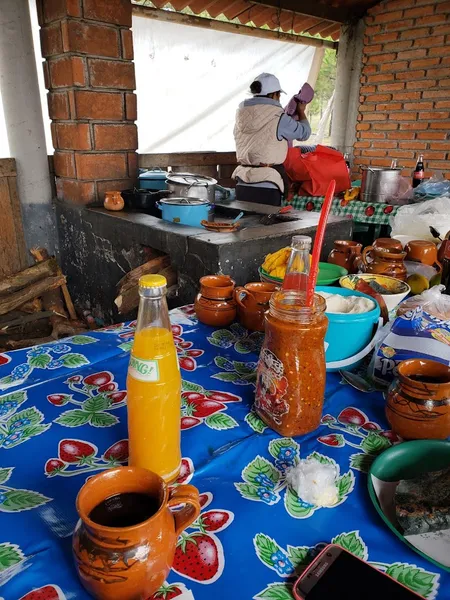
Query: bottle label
{"points": [[418, 174], [143, 370]]}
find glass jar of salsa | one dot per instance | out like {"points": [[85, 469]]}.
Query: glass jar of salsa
{"points": [[291, 371]]}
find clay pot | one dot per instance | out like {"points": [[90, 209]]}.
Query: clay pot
{"points": [[422, 251], [385, 262], [130, 562], [347, 254], [252, 302], [217, 313], [418, 402], [113, 201], [215, 304]]}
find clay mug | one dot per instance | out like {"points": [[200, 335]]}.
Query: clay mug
{"points": [[346, 254], [389, 244], [131, 561], [255, 294], [385, 262], [421, 251], [418, 402]]}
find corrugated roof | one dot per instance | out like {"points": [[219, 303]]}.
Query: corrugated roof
{"points": [[268, 14]]}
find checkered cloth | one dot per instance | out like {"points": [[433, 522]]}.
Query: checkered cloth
{"points": [[362, 212]]}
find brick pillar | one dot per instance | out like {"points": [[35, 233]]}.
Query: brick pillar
{"points": [[89, 73]]}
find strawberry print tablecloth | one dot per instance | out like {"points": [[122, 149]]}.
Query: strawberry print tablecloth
{"points": [[63, 418]]}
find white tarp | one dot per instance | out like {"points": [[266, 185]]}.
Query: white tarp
{"points": [[191, 80]]}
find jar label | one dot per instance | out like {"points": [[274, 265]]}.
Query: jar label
{"points": [[143, 370], [271, 386]]}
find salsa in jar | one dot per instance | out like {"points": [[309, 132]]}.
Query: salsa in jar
{"points": [[291, 371]]}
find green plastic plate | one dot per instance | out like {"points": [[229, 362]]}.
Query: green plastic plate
{"points": [[328, 274], [406, 461]]}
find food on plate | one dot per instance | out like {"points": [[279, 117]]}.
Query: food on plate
{"points": [[347, 304], [422, 504]]}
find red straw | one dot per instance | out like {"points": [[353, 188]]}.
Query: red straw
{"points": [[318, 242]]}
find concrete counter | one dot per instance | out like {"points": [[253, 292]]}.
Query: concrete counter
{"points": [[98, 247]]}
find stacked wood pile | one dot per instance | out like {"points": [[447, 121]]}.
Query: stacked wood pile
{"points": [[128, 287], [35, 305]]}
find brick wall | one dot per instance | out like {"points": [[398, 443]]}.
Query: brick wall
{"points": [[405, 86], [89, 73]]}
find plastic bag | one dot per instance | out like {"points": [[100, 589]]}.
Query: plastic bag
{"points": [[432, 301], [314, 482], [414, 220], [437, 185], [316, 169], [415, 333]]}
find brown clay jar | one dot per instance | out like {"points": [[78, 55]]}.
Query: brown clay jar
{"points": [[385, 262], [346, 254], [129, 562], [215, 304], [113, 201], [418, 402], [217, 313]]}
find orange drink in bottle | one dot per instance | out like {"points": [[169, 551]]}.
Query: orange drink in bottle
{"points": [[154, 386]]}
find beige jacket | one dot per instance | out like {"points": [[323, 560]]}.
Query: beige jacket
{"points": [[255, 134]]}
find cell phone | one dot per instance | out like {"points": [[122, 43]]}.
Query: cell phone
{"points": [[338, 574]]}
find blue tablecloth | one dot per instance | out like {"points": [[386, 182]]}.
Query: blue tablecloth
{"points": [[65, 400]]}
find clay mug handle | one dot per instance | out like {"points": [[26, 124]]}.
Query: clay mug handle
{"points": [[237, 295], [188, 495], [365, 252]]}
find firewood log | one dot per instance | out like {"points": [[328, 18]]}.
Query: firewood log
{"points": [[131, 279], [24, 278], [34, 290], [128, 299]]}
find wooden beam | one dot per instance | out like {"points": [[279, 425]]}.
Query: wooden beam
{"points": [[187, 159], [212, 24], [8, 167], [310, 8]]}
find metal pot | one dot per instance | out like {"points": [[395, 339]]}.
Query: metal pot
{"points": [[379, 184], [143, 199], [186, 185], [185, 211]]}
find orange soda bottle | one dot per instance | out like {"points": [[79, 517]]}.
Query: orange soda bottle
{"points": [[154, 386]]}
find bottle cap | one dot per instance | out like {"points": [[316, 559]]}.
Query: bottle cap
{"points": [[301, 241], [152, 281]]}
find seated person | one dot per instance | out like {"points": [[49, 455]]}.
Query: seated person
{"points": [[262, 132]]}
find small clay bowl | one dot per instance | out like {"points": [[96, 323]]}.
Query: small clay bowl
{"points": [[422, 251], [217, 287]]}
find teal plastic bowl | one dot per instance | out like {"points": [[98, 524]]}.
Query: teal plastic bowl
{"points": [[348, 334]]}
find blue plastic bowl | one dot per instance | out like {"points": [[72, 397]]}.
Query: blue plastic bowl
{"points": [[348, 334]]}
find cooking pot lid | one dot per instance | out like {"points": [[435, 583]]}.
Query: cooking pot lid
{"points": [[190, 179], [184, 201]]}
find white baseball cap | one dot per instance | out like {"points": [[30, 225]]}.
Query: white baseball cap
{"points": [[269, 84]]}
